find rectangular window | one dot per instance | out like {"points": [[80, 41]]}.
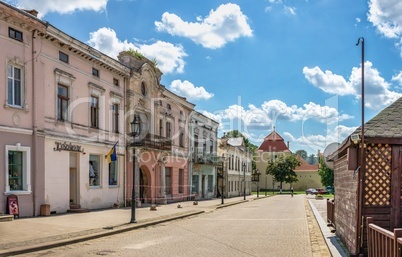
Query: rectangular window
{"points": [[211, 147], [160, 128], [62, 102], [95, 72], [94, 112], [115, 118], [63, 57], [113, 171], [94, 172], [15, 34], [210, 183], [168, 180], [168, 130], [15, 170], [181, 179], [14, 87], [195, 184], [115, 82], [181, 139], [18, 169]]}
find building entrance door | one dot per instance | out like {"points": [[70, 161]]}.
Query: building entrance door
{"points": [[203, 186], [73, 179]]}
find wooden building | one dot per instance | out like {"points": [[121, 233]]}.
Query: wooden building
{"points": [[374, 190]]}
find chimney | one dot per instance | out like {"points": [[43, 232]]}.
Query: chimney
{"points": [[288, 144], [32, 12]]}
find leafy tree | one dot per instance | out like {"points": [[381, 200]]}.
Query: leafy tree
{"points": [[302, 154], [282, 169], [327, 174], [311, 159]]}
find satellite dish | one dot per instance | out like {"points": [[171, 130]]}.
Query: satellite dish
{"points": [[330, 149]]}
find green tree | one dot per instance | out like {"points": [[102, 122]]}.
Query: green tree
{"points": [[326, 174], [311, 159], [282, 169], [302, 154]]}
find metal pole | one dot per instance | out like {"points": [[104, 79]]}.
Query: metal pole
{"points": [[222, 180], [244, 178], [362, 161], [133, 220], [265, 184]]}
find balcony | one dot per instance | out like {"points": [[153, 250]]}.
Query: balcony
{"points": [[153, 142], [211, 159]]}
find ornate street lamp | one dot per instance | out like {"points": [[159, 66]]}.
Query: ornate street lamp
{"points": [[135, 132]]}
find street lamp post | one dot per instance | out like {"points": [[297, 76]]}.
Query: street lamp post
{"points": [[222, 177], [135, 132], [266, 175], [256, 178], [244, 179]]}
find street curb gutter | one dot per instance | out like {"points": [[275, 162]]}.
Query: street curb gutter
{"points": [[112, 231]]}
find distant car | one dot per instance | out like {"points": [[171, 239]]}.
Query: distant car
{"points": [[321, 191], [311, 191]]}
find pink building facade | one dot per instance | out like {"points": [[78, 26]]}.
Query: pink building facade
{"points": [[66, 106]]}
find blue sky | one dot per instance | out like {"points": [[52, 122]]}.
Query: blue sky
{"points": [[253, 65]]}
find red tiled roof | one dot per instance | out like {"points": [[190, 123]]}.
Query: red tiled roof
{"points": [[273, 143], [304, 166]]}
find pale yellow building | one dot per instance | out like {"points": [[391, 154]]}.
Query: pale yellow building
{"points": [[272, 148]]}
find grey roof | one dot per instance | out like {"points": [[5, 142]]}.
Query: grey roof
{"points": [[388, 123], [235, 141]]}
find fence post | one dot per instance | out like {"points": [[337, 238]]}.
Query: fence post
{"points": [[397, 248], [369, 239]]}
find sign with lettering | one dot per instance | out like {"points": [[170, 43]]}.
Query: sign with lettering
{"points": [[67, 147]]}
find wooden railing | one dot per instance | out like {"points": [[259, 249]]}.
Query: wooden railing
{"points": [[382, 242], [331, 212]]}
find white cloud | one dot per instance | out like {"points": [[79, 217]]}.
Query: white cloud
{"points": [[327, 81], [61, 6], [187, 89], [377, 90], [318, 141], [225, 24], [385, 16], [290, 10], [169, 56], [264, 117]]}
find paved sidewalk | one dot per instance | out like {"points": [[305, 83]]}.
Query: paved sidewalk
{"points": [[31, 234]]}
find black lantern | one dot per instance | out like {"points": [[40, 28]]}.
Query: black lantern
{"points": [[135, 127]]}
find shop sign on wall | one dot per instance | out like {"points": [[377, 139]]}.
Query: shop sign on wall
{"points": [[67, 147]]}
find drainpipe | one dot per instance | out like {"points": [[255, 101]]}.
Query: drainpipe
{"points": [[34, 129]]}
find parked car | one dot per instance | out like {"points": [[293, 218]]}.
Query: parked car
{"points": [[321, 191], [311, 191]]}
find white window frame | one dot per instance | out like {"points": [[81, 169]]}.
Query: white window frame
{"points": [[26, 153], [64, 79], [14, 65]]}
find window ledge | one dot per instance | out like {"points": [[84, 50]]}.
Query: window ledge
{"points": [[15, 107], [17, 192], [94, 187]]}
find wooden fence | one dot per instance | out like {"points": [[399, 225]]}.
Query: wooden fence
{"points": [[330, 212], [382, 242]]}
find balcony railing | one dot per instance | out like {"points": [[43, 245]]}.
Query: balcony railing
{"points": [[153, 142], [211, 159]]}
